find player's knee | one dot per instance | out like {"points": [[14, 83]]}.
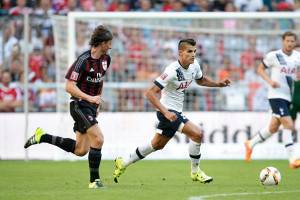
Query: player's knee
{"points": [[81, 152], [98, 142], [289, 126], [197, 136], [158, 146], [273, 130]]}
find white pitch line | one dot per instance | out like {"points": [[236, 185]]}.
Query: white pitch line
{"points": [[239, 194]]}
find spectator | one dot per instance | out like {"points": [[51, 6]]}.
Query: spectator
{"points": [[248, 6], [44, 8], [248, 57], [9, 40], [100, 5], [167, 5], [10, 98], [36, 61], [72, 5], [20, 9], [145, 6], [46, 96], [229, 71], [178, 6]]}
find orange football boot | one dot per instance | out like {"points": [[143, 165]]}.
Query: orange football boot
{"points": [[248, 151], [295, 164]]}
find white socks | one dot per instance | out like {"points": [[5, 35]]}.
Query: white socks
{"points": [[260, 137], [194, 152], [140, 153], [287, 139]]}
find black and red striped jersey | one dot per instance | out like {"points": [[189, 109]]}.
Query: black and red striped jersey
{"points": [[88, 73]]}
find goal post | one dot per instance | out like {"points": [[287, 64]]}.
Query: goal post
{"points": [[146, 42], [74, 16]]}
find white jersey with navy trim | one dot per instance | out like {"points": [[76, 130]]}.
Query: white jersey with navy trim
{"points": [[283, 71], [174, 80]]}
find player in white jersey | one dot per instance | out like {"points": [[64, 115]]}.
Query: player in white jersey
{"points": [[282, 64], [171, 84]]}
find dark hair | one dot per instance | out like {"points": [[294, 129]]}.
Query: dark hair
{"points": [[100, 34], [289, 33], [183, 42]]}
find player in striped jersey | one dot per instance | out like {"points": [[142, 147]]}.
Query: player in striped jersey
{"points": [[84, 84], [171, 84], [283, 64]]}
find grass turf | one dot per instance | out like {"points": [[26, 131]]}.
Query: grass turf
{"points": [[146, 180]]}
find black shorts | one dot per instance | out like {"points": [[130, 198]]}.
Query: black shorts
{"points": [[168, 128], [84, 115], [280, 107]]}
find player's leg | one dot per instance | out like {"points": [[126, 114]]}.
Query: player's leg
{"points": [[164, 132], [40, 136], [287, 137], [82, 144], [194, 133], [261, 136], [85, 116], [96, 140], [277, 106], [158, 142]]}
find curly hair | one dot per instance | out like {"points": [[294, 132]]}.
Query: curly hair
{"points": [[100, 34]]}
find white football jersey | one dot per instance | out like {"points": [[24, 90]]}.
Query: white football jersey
{"points": [[173, 81], [283, 71]]}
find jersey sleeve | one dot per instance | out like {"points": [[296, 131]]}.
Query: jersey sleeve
{"points": [[199, 73], [268, 60], [164, 78], [76, 70]]}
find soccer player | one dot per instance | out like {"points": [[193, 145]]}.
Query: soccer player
{"points": [[171, 84], [84, 83], [295, 105], [282, 65]]}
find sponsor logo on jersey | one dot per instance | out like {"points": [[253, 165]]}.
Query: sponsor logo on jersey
{"points": [[287, 70], [97, 79], [184, 85]]}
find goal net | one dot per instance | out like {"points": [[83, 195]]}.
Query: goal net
{"points": [[228, 45]]}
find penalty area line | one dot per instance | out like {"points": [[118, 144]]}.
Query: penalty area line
{"points": [[239, 194]]}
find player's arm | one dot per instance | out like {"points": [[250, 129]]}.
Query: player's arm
{"points": [[151, 95], [72, 89], [206, 81], [261, 71]]}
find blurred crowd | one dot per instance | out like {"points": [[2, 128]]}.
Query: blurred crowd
{"points": [[48, 7], [139, 54]]}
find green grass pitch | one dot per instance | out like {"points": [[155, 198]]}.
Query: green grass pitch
{"points": [[146, 180]]}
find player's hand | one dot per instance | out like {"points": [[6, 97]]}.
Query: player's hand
{"points": [[95, 99], [100, 106], [170, 116], [224, 83], [274, 84]]}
